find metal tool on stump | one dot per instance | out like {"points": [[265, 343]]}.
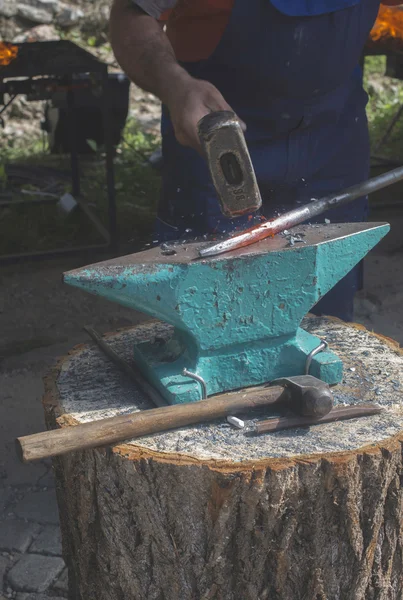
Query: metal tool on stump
{"points": [[306, 396]]}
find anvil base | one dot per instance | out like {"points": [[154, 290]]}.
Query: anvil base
{"points": [[164, 360]]}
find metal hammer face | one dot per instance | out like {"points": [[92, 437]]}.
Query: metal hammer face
{"points": [[307, 396], [229, 163], [235, 318]]}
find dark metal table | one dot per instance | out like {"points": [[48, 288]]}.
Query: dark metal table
{"points": [[38, 68]]}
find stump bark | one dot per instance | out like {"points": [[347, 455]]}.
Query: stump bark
{"points": [[208, 513]]}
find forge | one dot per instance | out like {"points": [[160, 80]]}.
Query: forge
{"points": [[387, 33]]}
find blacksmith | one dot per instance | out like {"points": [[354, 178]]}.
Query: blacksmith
{"points": [[289, 69]]}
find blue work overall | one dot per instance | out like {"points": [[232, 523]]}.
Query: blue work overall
{"points": [[289, 69]]}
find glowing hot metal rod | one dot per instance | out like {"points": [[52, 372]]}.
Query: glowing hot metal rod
{"points": [[303, 214]]}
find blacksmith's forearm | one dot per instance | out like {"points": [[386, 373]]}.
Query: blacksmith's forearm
{"points": [[143, 50]]}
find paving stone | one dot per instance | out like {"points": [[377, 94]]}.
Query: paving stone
{"points": [[62, 584], [69, 15], [34, 573], [34, 597], [5, 495], [34, 14], [8, 8], [47, 480], [49, 541], [4, 563], [39, 506], [17, 535]]}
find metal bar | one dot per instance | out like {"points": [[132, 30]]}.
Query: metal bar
{"points": [[337, 414], [53, 253], [75, 172], [7, 104], [304, 213], [110, 173], [199, 379], [322, 346], [94, 219], [132, 372], [48, 200], [40, 193]]}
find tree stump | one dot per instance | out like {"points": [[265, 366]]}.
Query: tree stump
{"points": [[208, 513]]}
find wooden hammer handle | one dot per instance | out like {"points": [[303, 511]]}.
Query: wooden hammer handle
{"points": [[124, 427]]}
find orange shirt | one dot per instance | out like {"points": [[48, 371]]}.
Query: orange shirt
{"points": [[195, 27]]}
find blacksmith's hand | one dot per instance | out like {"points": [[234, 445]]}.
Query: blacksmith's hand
{"points": [[188, 101]]}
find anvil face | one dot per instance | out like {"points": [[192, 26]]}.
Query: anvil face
{"points": [[236, 316]]}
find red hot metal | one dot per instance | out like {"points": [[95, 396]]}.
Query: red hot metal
{"points": [[303, 214]]}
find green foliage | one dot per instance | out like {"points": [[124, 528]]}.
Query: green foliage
{"points": [[385, 98], [3, 176], [17, 148]]}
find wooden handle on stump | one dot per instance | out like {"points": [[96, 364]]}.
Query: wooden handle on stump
{"points": [[123, 427]]}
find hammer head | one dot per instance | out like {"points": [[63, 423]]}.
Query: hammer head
{"points": [[307, 396], [229, 163]]}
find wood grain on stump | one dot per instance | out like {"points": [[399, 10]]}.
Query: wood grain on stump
{"points": [[209, 513]]}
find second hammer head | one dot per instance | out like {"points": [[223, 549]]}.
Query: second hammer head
{"points": [[307, 396]]}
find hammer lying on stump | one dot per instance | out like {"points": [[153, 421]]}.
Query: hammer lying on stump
{"points": [[309, 398]]}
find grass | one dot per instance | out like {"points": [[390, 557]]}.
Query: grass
{"points": [[385, 97], [25, 228]]}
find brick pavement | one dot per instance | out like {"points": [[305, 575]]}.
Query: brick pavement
{"points": [[31, 563]]}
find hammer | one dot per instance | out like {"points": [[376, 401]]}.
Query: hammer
{"points": [[230, 164], [305, 395], [235, 182]]}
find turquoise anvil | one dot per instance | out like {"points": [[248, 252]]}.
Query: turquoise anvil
{"points": [[235, 317]]}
